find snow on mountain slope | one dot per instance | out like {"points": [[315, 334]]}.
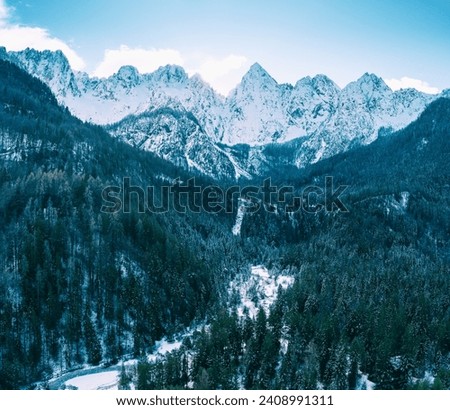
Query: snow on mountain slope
{"points": [[315, 119], [105, 101], [312, 103], [51, 67], [376, 106], [363, 110], [175, 135], [256, 112]]}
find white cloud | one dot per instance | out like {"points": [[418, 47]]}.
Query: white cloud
{"points": [[144, 60], [407, 82], [16, 37], [223, 74]]}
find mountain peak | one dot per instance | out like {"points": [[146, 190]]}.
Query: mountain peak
{"points": [[51, 62], [372, 79], [170, 73], [257, 74], [322, 78], [44, 55], [323, 84], [257, 68], [320, 83], [367, 84], [128, 73], [52, 67]]}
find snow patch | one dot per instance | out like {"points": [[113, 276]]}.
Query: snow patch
{"points": [[238, 170], [364, 383], [259, 291], [284, 344], [239, 218], [127, 266], [404, 200], [320, 152], [96, 381], [163, 346], [400, 205]]}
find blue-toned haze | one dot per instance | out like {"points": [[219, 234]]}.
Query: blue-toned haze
{"points": [[405, 42]]}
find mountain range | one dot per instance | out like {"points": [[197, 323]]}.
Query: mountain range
{"points": [[260, 126]]}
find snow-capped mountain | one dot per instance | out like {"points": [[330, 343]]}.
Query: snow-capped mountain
{"points": [[175, 134], [106, 101], [255, 109], [51, 67], [183, 119], [357, 115]]}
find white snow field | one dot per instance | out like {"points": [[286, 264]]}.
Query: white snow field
{"points": [[96, 381]]}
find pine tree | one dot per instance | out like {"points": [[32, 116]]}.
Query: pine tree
{"points": [[93, 347]]}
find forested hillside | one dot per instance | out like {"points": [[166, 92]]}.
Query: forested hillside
{"points": [[78, 285]]}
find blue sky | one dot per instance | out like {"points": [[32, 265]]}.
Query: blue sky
{"points": [[405, 42]]}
